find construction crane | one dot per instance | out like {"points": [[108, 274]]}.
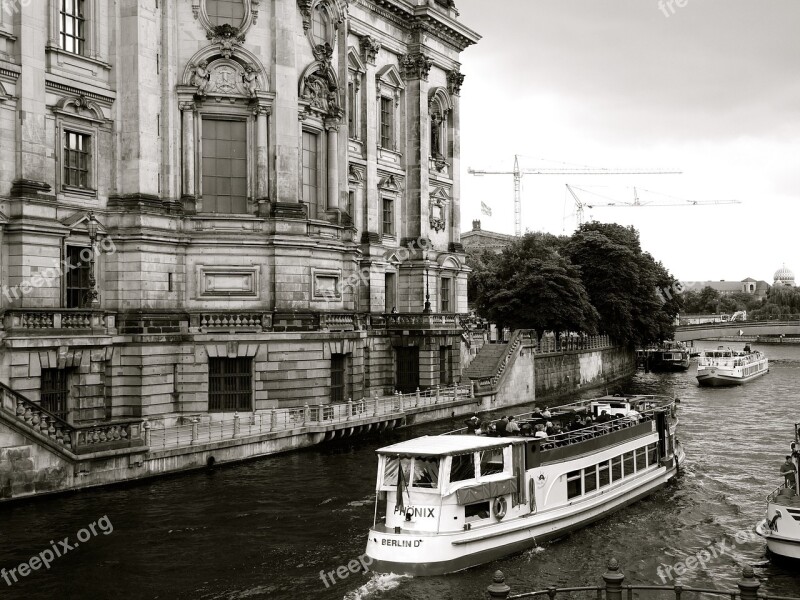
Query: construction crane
{"points": [[518, 173], [579, 206]]}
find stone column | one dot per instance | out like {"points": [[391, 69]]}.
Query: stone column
{"points": [[370, 49], [332, 129], [262, 157], [286, 185], [454, 81], [188, 151]]}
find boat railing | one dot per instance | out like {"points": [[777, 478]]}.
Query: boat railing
{"points": [[614, 588]]}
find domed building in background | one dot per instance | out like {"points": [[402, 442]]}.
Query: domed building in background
{"points": [[784, 277]]}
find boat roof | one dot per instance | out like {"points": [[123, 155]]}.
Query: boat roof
{"points": [[444, 445]]}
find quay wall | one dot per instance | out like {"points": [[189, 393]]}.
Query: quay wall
{"points": [[563, 373]]}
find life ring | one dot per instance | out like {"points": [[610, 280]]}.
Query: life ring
{"points": [[500, 507]]}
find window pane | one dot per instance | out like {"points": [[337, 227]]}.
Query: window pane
{"points": [[462, 467], [590, 479], [628, 464], [492, 461], [229, 384], [426, 472], [390, 471], [77, 280], [225, 12], [573, 484], [652, 454], [603, 474], [71, 24], [616, 468], [641, 460], [224, 163]]}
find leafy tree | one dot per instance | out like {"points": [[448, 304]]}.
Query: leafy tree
{"points": [[531, 286]]}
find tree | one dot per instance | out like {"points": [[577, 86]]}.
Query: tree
{"points": [[531, 286]]}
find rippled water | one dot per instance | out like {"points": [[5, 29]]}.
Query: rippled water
{"points": [[266, 528]]}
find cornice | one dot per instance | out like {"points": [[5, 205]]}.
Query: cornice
{"points": [[76, 91]]}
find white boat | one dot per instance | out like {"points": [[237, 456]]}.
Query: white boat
{"points": [[723, 366], [456, 501], [781, 527]]}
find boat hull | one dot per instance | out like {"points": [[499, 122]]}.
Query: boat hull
{"points": [[405, 553], [719, 379], [784, 547]]}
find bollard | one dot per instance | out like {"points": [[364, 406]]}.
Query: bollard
{"points": [[437, 394], [613, 578], [417, 393], [375, 412], [237, 425], [748, 584], [498, 589], [273, 420]]}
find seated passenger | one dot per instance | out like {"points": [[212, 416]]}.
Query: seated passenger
{"points": [[604, 417], [546, 414], [513, 427], [540, 432]]}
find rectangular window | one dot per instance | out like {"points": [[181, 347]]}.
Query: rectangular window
{"points": [[390, 302], [641, 458], [628, 463], [230, 384], [590, 479], [603, 475], [387, 118], [652, 454], [479, 510], [616, 468], [55, 391], [388, 217], [445, 366], [72, 26], [77, 280], [573, 484], [77, 157], [492, 461], [351, 203], [338, 378], [426, 472], [224, 166], [445, 292], [462, 467]]}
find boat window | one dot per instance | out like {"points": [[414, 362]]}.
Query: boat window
{"points": [[462, 467], [628, 460], [479, 510], [652, 454], [426, 472], [573, 484], [603, 474], [492, 461], [390, 472], [590, 479], [641, 460], [616, 468]]}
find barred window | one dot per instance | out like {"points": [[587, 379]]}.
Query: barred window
{"points": [[387, 118], [230, 384], [77, 157], [224, 166], [338, 378], [72, 26], [55, 391]]}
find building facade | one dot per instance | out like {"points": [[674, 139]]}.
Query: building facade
{"points": [[219, 206], [479, 239]]}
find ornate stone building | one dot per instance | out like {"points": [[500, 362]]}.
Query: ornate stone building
{"points": [[271, 189], [480, 239]]}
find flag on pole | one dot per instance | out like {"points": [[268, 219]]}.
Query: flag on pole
{"points": [[485, 209]]}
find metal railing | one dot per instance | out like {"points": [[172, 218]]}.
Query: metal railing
{"points": [[614, 588], [351, 413]]}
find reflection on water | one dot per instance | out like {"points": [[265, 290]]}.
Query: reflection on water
{"points": [[266, 528]]}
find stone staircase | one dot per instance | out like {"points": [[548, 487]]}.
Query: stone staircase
{"points": [[486, 363]]}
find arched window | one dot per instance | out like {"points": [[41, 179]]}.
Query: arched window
{"points": [[226, 12], [320, 26]]}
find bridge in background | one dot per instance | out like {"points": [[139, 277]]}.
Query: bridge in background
{"points": [[748, 329]]}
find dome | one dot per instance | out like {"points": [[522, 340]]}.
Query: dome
{"points": [[784, 276]]}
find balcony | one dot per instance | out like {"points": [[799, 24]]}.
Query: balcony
{"points": [[417, 321], [59, 321]]}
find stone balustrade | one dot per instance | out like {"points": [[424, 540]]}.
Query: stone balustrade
{"points": [[38, 320]]}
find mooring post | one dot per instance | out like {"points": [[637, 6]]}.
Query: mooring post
{"points": [[613, 578], [237, 424], [498, 588], [748, 584]]}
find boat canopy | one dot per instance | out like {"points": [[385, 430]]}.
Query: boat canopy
{"points": [[444, 445]]}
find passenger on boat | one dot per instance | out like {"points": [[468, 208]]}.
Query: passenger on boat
{"points": [[604, 417], [540, 432], [546, 414], [473, 424], [788, 471], [513, 427], [502, 426]]}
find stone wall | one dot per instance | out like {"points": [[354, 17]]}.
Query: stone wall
{"points": [[26, 468], [562, 373]]}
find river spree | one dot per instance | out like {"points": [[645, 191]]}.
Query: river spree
{"points": [[266, 528]]}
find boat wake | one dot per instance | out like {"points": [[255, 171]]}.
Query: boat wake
{"points": [[378, 583]]}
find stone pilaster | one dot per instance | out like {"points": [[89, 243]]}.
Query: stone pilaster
{"points": [[189, 192], [454, 81], [415, 68], [285, 188], [332, 132], [370, 49], [262, 157]]}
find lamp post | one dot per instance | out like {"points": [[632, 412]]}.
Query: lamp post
{"points": [[427, 309], [91, 228]]}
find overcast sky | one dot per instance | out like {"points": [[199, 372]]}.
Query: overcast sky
{"points": [[713, 90]]}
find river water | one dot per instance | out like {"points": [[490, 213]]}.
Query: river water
{"points": [[266, 528]]}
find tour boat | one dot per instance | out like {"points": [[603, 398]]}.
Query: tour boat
{"points": [[668, 357], [724, 366], [781, 527], [458, 500]]}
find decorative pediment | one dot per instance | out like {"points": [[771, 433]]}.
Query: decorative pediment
{"points": [[80, 106], [238, 76], [390, 183], [354, 62], [390, 76], [79, 220]]}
